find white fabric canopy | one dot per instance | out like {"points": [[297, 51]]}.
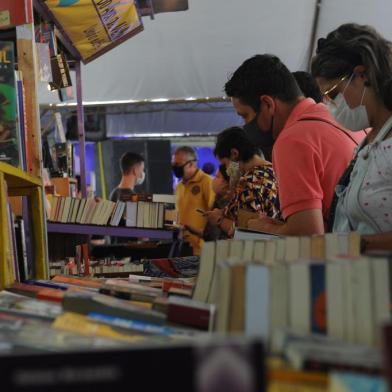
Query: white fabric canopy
{"points": [[192, 53]]}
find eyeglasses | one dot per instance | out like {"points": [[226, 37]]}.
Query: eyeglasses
{"points": [[326, 94], [183, 165]]}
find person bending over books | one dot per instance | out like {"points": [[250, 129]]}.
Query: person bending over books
{"points": [[220, 185], [255, 189], [132, 169], [248, 111], [353, 66], [311, 150]]}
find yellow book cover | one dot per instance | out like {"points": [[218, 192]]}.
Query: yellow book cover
{"points": [[76, 323]]}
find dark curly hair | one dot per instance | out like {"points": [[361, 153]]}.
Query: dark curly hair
{"points": [[235, 137]]}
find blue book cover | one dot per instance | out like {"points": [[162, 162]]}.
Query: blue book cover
{"points": [[354, 382], [318, 298]]}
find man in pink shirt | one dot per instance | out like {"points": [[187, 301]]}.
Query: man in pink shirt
{"points": [[311, 150]]}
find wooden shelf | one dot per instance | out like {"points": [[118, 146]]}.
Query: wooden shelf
{"points": [[17, 178], [117, 231], [16, 182]]}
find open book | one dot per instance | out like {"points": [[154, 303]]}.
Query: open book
{"points": [[247, 234]]}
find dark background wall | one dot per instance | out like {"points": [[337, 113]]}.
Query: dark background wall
{"points": [[157, 157]]}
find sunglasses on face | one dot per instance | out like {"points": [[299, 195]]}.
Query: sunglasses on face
{"points": [[330, 94]]}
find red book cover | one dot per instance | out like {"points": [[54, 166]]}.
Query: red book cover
{"points": [[198, 318], [15, 13], [52, 295], [25, 289], [169, 284]]}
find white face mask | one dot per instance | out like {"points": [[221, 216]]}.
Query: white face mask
{"points": [[140, 180], [355, 119]]}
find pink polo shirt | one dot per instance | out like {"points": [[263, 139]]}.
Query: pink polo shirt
{"points": [[309, 157]]}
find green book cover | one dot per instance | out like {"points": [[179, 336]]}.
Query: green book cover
{"points": [[9, 151]]}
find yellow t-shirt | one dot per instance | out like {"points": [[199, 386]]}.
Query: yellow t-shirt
{"points": [[195, 193]]}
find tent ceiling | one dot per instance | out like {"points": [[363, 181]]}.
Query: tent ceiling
{"points": [[192, 53]]}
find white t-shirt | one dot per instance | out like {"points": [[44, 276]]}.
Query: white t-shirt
{"points": [[366, 204]]}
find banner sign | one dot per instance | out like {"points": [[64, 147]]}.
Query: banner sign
{"points": [[94, 26]]}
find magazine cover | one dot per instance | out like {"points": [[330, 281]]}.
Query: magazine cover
{"points": [[9, 151]]}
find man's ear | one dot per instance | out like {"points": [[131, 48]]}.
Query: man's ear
{"points": [[234, 154], [268, 103]]}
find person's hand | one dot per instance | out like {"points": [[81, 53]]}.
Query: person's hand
{"points": [[264, 224], [214, 217]]}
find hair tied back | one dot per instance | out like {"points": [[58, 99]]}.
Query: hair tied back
{"points": [[321, 43]]}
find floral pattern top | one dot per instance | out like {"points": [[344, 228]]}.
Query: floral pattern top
{"points": [[256, 191]]}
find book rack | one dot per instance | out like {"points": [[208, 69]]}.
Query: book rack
{"points": [[19, 183], [69, 228]]}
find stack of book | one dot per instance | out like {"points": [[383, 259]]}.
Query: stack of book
{"points": [[16, 247], [147, 211], [97, 268], [317, 284], [315, 352], [155, 303], [83, 211], [143, 211]]}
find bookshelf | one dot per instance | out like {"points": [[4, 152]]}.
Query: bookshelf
{"points": [[19, 183], [67, 228], [24, 178]]}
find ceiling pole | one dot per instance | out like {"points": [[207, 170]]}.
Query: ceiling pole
{"points": [[314, 32], [80, 114]]}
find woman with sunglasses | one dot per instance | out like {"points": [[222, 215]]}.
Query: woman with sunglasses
{"points": [[353, 67]]}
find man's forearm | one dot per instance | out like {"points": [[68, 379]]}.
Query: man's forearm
{"points": [[307, 222]]}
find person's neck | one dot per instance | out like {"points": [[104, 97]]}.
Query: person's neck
{"points": [[185, 180], [253, 162], [285, 111], [378, 116], [127, 182]]}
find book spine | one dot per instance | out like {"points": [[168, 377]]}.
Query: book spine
{"points": [[21, 123], [328, 366]]}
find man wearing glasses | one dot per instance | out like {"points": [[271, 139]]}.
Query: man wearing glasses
{"points": [[311, 149], [194, 193]]}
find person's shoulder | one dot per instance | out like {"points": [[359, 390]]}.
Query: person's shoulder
{"points": [[114, 194], [204, 177], [305, 121], [262, 171]]}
